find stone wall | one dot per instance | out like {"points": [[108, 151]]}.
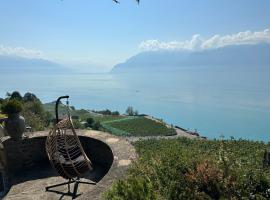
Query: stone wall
{"points": [[25, 153]]}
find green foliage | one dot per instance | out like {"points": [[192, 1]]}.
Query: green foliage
{"points": [[77, 124], [131, 112], [33, 120], [96, 126], [133, 188], [35, 115], [90, 121], [30, 107], [107, 112], [141, 126], [114, 131], [15, 95], [1, 101], [11, 107], [197, 169], [108, 118], [47, 118], [30, 97], [115, 113]]}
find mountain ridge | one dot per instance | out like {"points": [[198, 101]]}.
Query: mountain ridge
{"points": [[11, 64], [234, 55]]}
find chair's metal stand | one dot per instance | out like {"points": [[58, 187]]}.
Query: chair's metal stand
{"points": [[75, 189]]}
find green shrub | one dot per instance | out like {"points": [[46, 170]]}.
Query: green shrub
{"points": [[96, 126], [115, 113], [33, 120], [35, 115], [132, 188], [77, 124], [90, 121], [11, 107], [198, 169]]}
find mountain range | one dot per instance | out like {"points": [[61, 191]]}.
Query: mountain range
{"points": [[228, 56], [15, 64]]}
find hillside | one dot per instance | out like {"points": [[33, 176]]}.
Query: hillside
{"points": [[229, 56], [12, 64]]}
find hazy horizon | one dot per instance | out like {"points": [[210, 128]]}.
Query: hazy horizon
{"points": [[94, 36]]}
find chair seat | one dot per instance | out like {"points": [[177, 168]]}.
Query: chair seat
{"points": [[59, 157]]}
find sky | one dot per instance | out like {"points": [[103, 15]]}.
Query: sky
{"points": [[101, 33]]}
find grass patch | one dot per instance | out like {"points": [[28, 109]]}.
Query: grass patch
{"points": [[141, 126], [108, 118], [195, 169]]}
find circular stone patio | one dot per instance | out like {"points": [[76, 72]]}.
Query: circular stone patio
{"points": [[117, 156]]}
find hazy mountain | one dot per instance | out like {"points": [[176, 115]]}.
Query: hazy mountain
{"points": [[10, 64], [229, 56]]}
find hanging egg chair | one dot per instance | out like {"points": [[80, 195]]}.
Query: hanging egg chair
{"points": [[66, 153]]}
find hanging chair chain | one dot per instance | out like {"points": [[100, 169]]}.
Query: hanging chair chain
{"points": [[68, 108]]}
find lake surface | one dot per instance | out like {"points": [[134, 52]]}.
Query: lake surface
{"points": [[214, 101]]}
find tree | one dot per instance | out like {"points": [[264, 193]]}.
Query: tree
{"points": [[15, 95], [90, 121], [1, 101], [30, 97], [130, 111], [35, 114], [115, 113]]}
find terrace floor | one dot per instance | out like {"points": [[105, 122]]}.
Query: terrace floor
{"points": [[31, 185]]}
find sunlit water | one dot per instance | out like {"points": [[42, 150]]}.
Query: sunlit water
{"points": [[215, 102]]}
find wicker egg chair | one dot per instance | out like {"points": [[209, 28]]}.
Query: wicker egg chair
{"points": [[66, 153]]}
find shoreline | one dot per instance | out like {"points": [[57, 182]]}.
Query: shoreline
{"points": [[180, 132]]}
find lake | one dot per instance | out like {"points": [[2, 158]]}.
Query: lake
{"points": [[214, 101]]}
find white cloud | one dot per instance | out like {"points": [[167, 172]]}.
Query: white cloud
{"points": [[20, 51], [216, 41]]}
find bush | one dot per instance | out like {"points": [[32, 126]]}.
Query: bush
{"points": [[34, 121], [197, 169], [11, 107], [115, 113], [132, 188], [96, 126], [35, 115], [77, 124], [90, 121]]}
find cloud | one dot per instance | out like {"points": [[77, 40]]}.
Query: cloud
{"points": [[20, 51], [199, 43]]}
